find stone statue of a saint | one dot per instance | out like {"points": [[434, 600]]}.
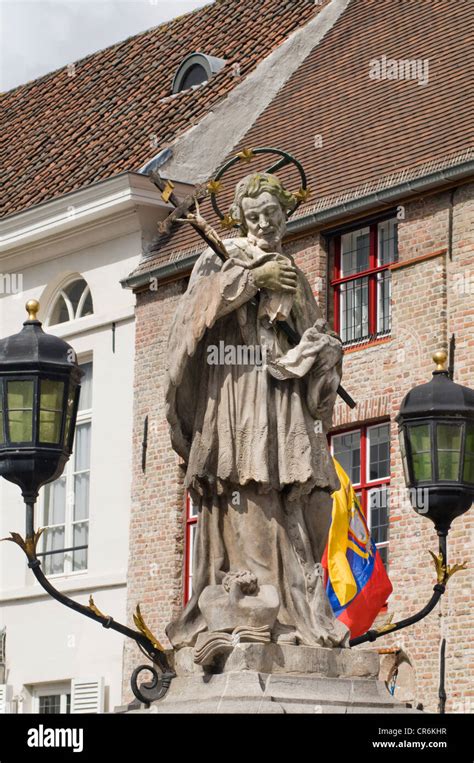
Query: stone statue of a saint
{"points": [[249, 413]]}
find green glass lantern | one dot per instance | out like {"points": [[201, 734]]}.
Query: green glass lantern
{"points": [[39, 395], [436, 430]]}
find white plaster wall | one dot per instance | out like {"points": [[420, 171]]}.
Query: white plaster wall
{"points": [[49, 643], [45, 641]]}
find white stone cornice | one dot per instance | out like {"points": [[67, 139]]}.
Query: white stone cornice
{"points": [[87, 208]]}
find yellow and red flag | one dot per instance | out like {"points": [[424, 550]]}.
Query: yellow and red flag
{"points": [[357, 583]]}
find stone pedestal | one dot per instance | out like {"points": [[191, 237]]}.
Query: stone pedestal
{"points": [[274, 678]]}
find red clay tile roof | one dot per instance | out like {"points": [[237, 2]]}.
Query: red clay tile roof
{"points": [[64, 132], [369, 128]]}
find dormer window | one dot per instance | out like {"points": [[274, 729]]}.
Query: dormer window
{"points": [[194, 70], [194, 76]]}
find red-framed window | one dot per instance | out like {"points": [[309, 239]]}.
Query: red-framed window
{"points": [[190, 535], [364, 454], [362, 281]]}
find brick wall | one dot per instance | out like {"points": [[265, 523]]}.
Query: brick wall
{"points": [[157, 519], [458, 616], [433, 296]]}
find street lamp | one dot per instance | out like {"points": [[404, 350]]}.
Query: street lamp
{"points": [[436, 431], [39, 397]]}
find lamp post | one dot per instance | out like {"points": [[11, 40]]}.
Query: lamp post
{"points": [[39, 397], [436, 431]]}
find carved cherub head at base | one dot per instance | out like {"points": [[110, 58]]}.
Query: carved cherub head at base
{"points": [[245, 580]]}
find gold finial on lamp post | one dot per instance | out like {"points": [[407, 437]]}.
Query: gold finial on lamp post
{"points": [[440, 357], [32, 307]]}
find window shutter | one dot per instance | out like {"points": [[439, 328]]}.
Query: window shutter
{"points": [[87, 695], [5, 696]]}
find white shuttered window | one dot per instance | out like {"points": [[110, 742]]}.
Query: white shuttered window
{"points": [[87, 695]]}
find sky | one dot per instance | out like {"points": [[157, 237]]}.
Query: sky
{"points": [[39, 36]]}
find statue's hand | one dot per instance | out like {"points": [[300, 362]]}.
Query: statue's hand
{"points": [[276, 276]]}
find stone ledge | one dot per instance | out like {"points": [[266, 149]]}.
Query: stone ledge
{"points": [[257, 693], [278, 678]]}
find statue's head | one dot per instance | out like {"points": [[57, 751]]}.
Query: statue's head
{"points": [[261, 207]]}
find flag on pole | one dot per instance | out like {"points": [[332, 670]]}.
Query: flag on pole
{"points": [[357, 583]]}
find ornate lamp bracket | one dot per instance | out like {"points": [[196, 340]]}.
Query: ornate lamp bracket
{"points": [[160, 668]]}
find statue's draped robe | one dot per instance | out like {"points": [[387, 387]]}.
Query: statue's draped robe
{"points": [[257, 461]]}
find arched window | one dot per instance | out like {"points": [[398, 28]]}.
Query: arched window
{"points": [[195, 75], [72, 301], [194, 70]]}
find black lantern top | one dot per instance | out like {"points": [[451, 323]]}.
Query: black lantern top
{"points": [[39, 395], [436, 426], [441, 395], [32, 346]]}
